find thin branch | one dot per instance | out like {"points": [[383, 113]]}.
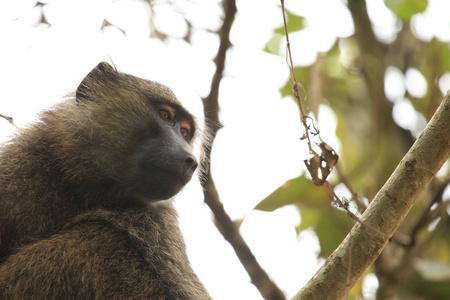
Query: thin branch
{"points": [[427, 215], [9, 119], [344, 206], [344, 179], [225, 225], [386, 211], [294, 79]]}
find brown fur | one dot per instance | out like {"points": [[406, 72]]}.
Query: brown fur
{"points": [[72, 224]]}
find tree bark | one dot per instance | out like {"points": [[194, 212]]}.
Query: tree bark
{"points": [[385, 212]]}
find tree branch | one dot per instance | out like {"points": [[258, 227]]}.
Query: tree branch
{"points": [[386, 211], [224, 224], [9, 119]]}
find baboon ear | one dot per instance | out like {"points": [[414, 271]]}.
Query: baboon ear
{"points": [[97, 78]]}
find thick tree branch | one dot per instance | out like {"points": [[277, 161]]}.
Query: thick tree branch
{"points": [[386, 211], [225, 225]]}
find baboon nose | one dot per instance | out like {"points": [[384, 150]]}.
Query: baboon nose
{"points": [[191, 163]]}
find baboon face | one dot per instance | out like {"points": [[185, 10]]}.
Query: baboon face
{"points": [[164, 159], [140, 136]]}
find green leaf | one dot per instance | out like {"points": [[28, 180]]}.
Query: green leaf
{"points": [[330, 225], [316, 211], [273, 46], [405, 9], [294, 23], [300, 191]]}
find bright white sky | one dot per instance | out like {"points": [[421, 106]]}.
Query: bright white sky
{"points": [[256, 151]]}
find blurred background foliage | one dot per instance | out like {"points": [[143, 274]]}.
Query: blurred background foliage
{"points": [[367, 82]]}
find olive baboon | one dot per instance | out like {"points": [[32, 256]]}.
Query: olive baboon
{"points": [[83, 196]]}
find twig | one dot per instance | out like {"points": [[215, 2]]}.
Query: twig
{"points": [[426, 215], [294, 79], [345, 207], [9, 119], [343, 178]]}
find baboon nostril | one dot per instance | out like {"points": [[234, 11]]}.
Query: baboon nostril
{"points": [[191, 163]]}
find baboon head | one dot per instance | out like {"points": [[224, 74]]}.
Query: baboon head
{"points": [[129, 133]]}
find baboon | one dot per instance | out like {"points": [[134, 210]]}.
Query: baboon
{"points": [[85, 196]]}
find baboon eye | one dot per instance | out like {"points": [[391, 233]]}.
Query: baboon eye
{"points": [[184, 132], [164, 114]]}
